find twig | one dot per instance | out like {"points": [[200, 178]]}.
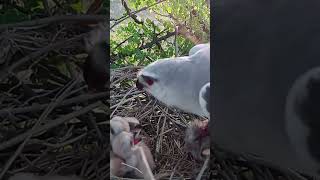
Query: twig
{"points": [[133, 16], [174, 169], [156, 40], [95, 7], [144, 165], [46, 6], [183, 30], [5, 73], [43, 116], [132, 167], [205, 165], [33, 108], [121, 19], [58, 19], [175, 40], [123, 100], [49, 125], [60, 144]]}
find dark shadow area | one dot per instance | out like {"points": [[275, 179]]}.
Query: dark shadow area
{"points": [[51, 122]]}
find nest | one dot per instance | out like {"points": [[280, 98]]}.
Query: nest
{"points": [[165, 127]]}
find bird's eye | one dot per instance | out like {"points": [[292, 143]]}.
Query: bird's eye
{"points": [[149, 80]]}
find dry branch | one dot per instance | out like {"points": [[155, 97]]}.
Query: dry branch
{"points": [[90, 19], [6, 72], [67, 102], [49, 125]]}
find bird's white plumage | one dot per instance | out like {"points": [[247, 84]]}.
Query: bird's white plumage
{"points": [[179, 80], [203, 100], [197, 47]]}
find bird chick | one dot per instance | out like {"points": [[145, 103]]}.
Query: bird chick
{"points": [[122, 144], [122, 147], [197, 140], [176, 82], [132, 152], [119, 124], [140, 142], [146, 163], [116, 165]]}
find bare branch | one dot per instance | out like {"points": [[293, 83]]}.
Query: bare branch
{"points": [[155, 40], [121, 19], [6, 72], [58, 19], [34, 108], [128, 10], [49, 125]]}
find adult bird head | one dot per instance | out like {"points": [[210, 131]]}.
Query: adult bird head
{"points": [[176, 82], [162, 68], [156, 78], [145, 82]]}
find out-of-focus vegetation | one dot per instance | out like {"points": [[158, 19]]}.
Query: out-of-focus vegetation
{"points": [[159, 29], [12, 11]]}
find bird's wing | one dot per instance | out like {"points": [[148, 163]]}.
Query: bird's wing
{"points": [[197, 47], [204, 99]]}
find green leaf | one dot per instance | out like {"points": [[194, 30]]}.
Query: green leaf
{"points": [[38, 6], [78, 7]]}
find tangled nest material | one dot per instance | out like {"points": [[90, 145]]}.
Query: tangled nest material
{"points": [[49, 122]]}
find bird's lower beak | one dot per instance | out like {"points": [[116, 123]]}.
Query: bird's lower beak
{"points": [[139, 85]]}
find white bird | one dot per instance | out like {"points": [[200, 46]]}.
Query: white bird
{"points": [[204, 99], [177, 82], [116, 165], [197, 47]]}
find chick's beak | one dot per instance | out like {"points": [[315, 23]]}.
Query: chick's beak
{"points": [[139, 85]]}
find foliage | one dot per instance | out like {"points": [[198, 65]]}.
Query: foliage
{"points": [[12, 11], [136, 35], [195, 14], [133, 43]]}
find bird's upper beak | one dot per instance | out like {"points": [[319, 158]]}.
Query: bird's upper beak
{"points": [[139, 85]]}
